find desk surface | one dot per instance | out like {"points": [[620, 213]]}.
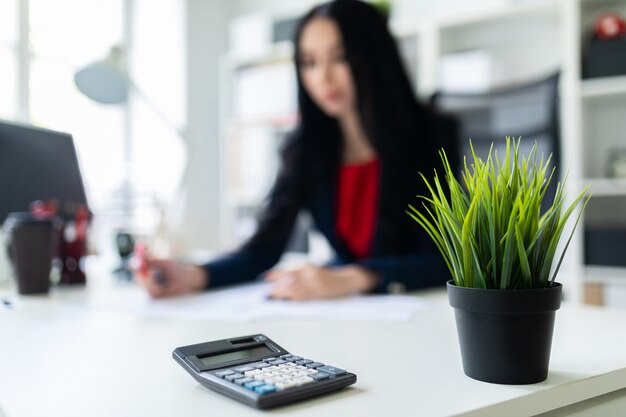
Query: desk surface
{"points": [[62, 355]]}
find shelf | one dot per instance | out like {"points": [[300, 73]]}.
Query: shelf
{"points": [[606, 187], [281, 52], [401, 28], [245, 199], [281, 122], [594, 88], [604, 275], [502, 14], [611, 4]]}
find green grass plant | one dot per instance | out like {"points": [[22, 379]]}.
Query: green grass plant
{"points": [[490, 227]]}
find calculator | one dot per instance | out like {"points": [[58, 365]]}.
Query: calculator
{"points": [[256, 371]]}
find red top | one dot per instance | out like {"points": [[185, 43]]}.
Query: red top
{"points": [[357, 204]]}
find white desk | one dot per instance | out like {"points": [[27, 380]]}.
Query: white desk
{"points": [[61, 355]]}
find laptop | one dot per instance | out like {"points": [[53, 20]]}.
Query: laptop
{"points": [[38, 164]]}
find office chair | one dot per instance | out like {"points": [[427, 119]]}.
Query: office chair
{"points": [[529, 111]]}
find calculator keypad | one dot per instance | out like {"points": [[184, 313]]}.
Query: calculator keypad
{"points": [[277, 374]]}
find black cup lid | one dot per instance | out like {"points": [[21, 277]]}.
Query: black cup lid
{"points": [[22, 218]]}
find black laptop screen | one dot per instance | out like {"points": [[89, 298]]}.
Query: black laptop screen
{"points": [[38, 164]]}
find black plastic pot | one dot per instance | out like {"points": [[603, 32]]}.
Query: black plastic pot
{"points": [[505, 335]]}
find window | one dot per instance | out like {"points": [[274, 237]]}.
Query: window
{"points": [[129, 156], [8, 59]]}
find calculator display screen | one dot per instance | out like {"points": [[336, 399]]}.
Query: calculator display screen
{"points": [[233, 356]]}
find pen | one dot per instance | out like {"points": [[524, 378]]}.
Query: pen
{"points": [[141, 254], [159, 276]]}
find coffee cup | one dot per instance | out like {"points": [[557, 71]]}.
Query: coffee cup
{"points": [[30, 246]]}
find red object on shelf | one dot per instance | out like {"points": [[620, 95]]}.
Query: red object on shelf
{"points": [[609, 26]]}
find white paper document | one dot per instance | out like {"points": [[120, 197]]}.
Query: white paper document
{"points": [[249, 303]]}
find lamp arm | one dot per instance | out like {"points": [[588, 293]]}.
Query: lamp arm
{"points": [[181, 131]]}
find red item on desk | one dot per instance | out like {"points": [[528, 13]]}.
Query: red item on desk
{"points": [[71, 245], [609, 26], [357, 206], [141, 257], [73, 248]]}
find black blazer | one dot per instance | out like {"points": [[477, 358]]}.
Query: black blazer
{"points": [[402, 252]]}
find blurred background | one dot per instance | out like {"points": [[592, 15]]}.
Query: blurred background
{"points": [[190, 153]]}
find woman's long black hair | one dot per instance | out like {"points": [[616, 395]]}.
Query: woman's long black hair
{"points": [[385, 101], [393, 120]]}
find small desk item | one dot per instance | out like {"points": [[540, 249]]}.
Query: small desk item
{"points": [[256, 371]]}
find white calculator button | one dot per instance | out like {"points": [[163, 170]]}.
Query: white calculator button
{"points": [[311, 371], [253, 372], [288, 383], [304, 380]]}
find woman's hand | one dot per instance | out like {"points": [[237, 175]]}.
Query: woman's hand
{"points": [[313, 282], [167, 278]]}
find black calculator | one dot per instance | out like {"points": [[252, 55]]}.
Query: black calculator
{"points": [[256, 371]]}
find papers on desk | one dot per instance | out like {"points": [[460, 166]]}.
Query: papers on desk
{"points": [[249, 303]]}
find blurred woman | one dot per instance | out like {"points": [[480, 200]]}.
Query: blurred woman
{"points": [[352, 163]]}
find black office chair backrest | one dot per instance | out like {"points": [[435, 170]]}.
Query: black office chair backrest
{"points": [[529, 111]]}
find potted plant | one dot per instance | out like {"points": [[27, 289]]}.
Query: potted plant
{"points": [[500, 243]]}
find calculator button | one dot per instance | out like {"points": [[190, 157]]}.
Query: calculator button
{"points": [[314, 365], [265, 389], [252, 385], [331, 370], [319, 376], [244, 369], [293, 358], [260, 365], [269, 359], [243, 380], [260, 377], [304, 380], [285, 356], [311, 371], [271, 369], [253, 372], [222, 374], [287, 383], [232, 377], [278, 362]]}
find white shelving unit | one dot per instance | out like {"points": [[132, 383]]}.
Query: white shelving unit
{"points": [[602, 103], [607, 187], [520, 41], [601, 88], [258, 109]]}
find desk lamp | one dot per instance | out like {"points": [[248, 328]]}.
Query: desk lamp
{"points": [[106, 81]]}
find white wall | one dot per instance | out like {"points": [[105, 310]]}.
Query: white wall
{"points": [[195, 222], [400, 8]]}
